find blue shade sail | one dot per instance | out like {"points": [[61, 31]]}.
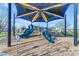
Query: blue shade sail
{"points": [[41, 12]]}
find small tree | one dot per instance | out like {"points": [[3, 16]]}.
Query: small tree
{"points": [[60, 25]]}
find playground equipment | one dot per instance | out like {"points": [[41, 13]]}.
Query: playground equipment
{"points": [[48, 36], [40, 13], [26, 33]]}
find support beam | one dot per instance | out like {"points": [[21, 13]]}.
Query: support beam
{"points": [[75, 24], [65, 26], [9, 24], [13, 24]]}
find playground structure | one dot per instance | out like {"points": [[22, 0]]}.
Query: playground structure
{"points": [[40, 13], [24, 14]]}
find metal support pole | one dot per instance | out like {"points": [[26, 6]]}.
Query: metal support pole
{"points": [[9, 25], [65, 26], [13, 24], [75, 24]]}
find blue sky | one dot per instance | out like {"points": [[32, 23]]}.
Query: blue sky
{"points": [[22, 22]]}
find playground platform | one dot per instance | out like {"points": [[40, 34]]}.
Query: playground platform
{"points": [[38, 46]]}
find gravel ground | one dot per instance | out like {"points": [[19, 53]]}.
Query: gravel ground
{"points": [[37, 46]]}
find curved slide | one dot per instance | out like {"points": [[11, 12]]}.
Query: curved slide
{"points": [[26, 33], [47, 36]]}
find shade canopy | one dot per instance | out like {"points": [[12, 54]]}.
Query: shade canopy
{"points": [[41, 12]]}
